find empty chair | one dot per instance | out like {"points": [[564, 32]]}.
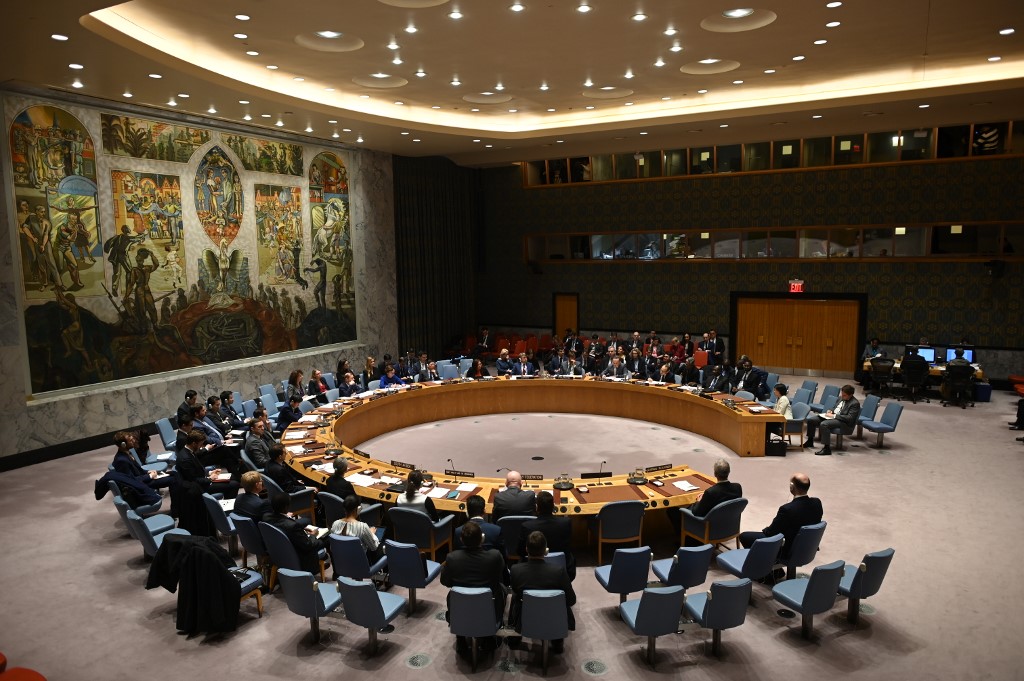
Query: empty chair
{"points": [[367, 607], [959, 381], [155, 524], [868, 409], [282, 553], [237, 405], [251, 540], [805, 547], [373, 385], [471, 615], [222, 522], [511, 530], [801, 396], [302, 501], [415, 527], [333, 394], [887, 424], [408, 570], [813, 596], [268, 389], [249, 408], [252, 587], [723, 607], [654, 614], [144, 510], [167, 434], [306, 406], [688, 568], [448, 371], [465, 364], [545, 617], [627, 573], [864, 580], [350, 559], [745, 395], [915, 378], [798, 424], [619, 522], [308, 598], [881, 373], [141, 530], [329, 380], [721, 524], [829, 391], [812, 388], [754, 563]]}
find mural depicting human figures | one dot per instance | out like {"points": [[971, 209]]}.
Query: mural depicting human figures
{"points": [[331, 231], [218, 196], [149, 206]]}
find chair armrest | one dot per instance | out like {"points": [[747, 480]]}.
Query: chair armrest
{"points": [[689, 514], [371, 513], [443, 522]]}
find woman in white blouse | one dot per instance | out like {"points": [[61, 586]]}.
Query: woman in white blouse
{"points": [[782, 405], [352, 526], [414, 499]]}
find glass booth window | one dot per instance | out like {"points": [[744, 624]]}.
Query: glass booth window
{"points": [[675, 162], [988, 139], [613, 246], [602, 167], [649, 246], [702, 160], [844, 243], [727, 244], [849, 149], [755, 244], [814, 243], [729, 158], [650, 164], [877, 243], [953, 141], [883, 146], [917, 145], [625, 166], [817, 152], [677, 246], [757, 156], [783, 243], [580, 169], [910, 243], [701, 244], [535, 173], [965, 240], [1013, 239], [558, 171], [786, 154]]}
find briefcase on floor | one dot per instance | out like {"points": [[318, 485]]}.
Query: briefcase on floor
{"points": [[775, 448]]}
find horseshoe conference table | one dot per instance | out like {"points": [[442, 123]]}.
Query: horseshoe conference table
{"points": [[311, 445]]}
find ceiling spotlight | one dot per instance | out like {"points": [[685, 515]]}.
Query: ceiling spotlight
{"points": [[994, 58], [832, 24], [253, 53], [456, 82], [183, 95], [242, 17], [264, 115], [737, 82], [583, 8], [820, 42], [769, 71], [335, 134], [665, 99], [710, 60], [544, 86], [660, 62], [272, 67], [474, 110], [455, 14], [243, 101], [639, 16], [517, 7], [421, 73], [212, 109], [392, 45], [155, 75], [397, 60], [590, 107], [309, 128], [627, 104], [279, 123], [359, 139], [702, 92], [670, 31], [346, 129], [737, 13], [246, 117], [799, 57], [77, 67], [77, 84], [298, 79], [1007, 31], [399, 103], [410, 29], [379, 74], [676, 47], [499, 87], [488, 146], [435, 107], [403, 133], [588, 83], [241, 36], [171, 102], [360, 96], [628, 74], [127, 95], [923, 106], [416, 139], [59, 37], [476, 140], [833, 5], [487, 93], [816, 116], [559, 141], [607, 87], [513, 110], [329, 34], [724, 125], [332, 121], [551, 110]]}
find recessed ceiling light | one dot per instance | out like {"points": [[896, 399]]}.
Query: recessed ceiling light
{"points": [[799, 57], [832, 24], [361, 96], [607, 87], [710, 60], [241, 36], [724, 125], [397, 60], [359, 139], [1007, 31], [77, 84], [379, 74], [410, 29], [330, 89], [833, 5], [676, 47], [242, 17], [513, 110], [476, 140], [399, 103], [279, 123], [414, 139], [335, 134], [643, 132], [488, 146], [346, 129], [583, 8], [923, 106], [499, 87], [127, 95], [59, 36], [421, 73], [171, 102], [517, 7], [253, 53], [183, 95], [474, 110], [298, 79], [309, 128], [264, 115], [588, 83], [76, 67], [559, 141], [769, 71], [272, 67], [737, 82], [332, 121], [155, 75], [329, 34], [589, 107], [994, 58], [246, 117], [456, 82], [738, 13], [551, 110], [455, 14], [435, 107], [660, 62], [404, 133], [702, 92], [670, 31], [627, 104], [392, 45], [816, 116], [639, 16], [665, 99], [487, 93], [243, 101], [628, 74], [544, 86], [820, 42]]}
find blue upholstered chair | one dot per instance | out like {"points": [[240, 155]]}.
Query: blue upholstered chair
{"points": [[654, 614], [143, 510], [723, 607], [155, 523], [868, 409], [447, 370], [545, 617], [829, 391], [805, 547], [222, 522], [812, 388], [471, 614], [408, 570], [308, 598], [252, 587], [367, 607], [282, 553], [627, 573], [248, 408], [864, 580], [721, 524], [251, 540], [511, 530], [329, 380], [142, 530], [556, 558], [887, 424], [415, 527], [350, 558], [333, 394], [302, 501], [754, 563], [248, 462], [798, 424], [745, 395], [813, 596], [801, 396], [688, 568], [619, 522], [167, 434]]}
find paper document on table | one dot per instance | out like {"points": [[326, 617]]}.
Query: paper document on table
{"points": [[294, 435], [686, 486], [296, 449], [318, 532], [390, 480], [238, 433], [365, 394], [227, 504], [310, 418], [165, 456], [437, 492], [362, 479], [324, 467], [466, 487], [223, 477]]}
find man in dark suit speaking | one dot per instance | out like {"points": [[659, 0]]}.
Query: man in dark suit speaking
{"points": [[513, 500], [802, 510]]}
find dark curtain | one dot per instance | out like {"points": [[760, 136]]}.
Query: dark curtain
{"points": [[437, 214]]}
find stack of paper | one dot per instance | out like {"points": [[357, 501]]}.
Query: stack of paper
{"points": [[294, 435], [466, 487], [686, 486], [437, 492], [362, 480]]}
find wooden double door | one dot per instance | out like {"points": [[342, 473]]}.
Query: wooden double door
{"points": [[799, 336]]}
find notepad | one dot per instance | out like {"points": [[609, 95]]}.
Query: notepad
{"points": [[223, 477], [324, 468], [466, 487], [318, 532], [309, 418], [438, 492], [227, 504], [294, 435], [686, 486], [165, 456], [362, 480], [296, 449]]}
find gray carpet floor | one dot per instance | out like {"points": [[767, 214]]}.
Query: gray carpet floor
{"points": [[943, 492]]}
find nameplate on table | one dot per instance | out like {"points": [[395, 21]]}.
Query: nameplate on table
{"points": [[459, 474], [532, 476], [655, 469], [401, 464]]}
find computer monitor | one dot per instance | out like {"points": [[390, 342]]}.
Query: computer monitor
{"points": [[927, 353], [968, 354]]}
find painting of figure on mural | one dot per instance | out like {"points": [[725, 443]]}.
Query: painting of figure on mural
{"points": [[265, 156], [149, 204], [47, 145], [142, 138], [279, 234], [331, 228], [218, 197]]}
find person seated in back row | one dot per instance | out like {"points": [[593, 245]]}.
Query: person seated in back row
{"points": [[751, 379], [475, 511], [536, 573], [557, 531]]}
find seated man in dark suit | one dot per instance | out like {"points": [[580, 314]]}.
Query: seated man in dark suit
{"points": [[557, 531], [307, 546], [477, 567], [258, 444], [349, 387], [523, 367], [751, 379], [843, 418], [214, 417], [722, 490], [475, 510], [281, 474], [802, 510], [227, 411], [714, 379], [615, 369], [191, 470], [290, 413], [536, 573], [251, 504], [513, 500], [558, 363], [185, 408]]}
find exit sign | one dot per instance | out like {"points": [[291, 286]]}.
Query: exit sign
{"points": [[796, 285]]}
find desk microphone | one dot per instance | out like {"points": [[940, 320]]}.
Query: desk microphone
{"points": [[601, 469], [452, 464], [503, 468]]}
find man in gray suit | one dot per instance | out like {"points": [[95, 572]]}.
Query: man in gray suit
{"points": [[842, 419]]}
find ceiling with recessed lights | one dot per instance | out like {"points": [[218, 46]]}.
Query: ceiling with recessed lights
{"points": [[488, 82]]}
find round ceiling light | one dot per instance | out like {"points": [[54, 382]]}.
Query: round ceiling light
{"points": [[738, 13], [748, 20]]}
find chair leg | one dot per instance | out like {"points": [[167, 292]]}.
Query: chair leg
{"points": [[473, 650], [544, 656], [373, 640], [853, 610], [716, 642], [245, 558], [273, 578], [651, 643], [314, 628], [412, 601], [878, 443], [806, 625]]}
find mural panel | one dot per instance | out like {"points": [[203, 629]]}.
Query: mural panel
{"points": [[331, 233], [265, 156], [279, 234], [147, 213], [142, 138], [218, 197]]}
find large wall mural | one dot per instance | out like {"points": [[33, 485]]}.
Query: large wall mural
{"points": [[189, 256]]}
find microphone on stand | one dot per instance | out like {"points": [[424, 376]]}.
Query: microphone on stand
{"points": [[503, 468], [452, 464], [601, 469]]}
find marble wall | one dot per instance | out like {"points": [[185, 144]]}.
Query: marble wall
{"points": [[35, 422]]}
